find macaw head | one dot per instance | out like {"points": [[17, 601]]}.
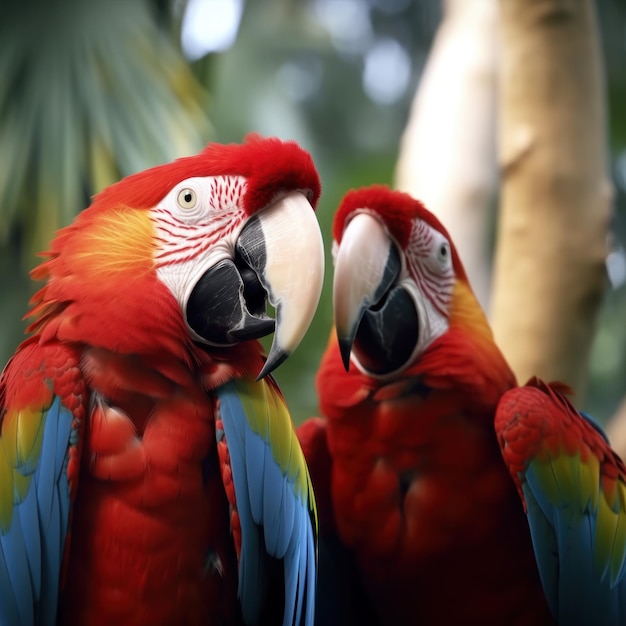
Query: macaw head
{"points": [[399, 283], [190, 253]]}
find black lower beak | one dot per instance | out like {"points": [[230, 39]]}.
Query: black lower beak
{"points": [[387, 334], [227, 305], [368, 314], [278, 258]]}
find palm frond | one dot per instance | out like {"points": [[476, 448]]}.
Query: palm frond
{"points": [[92, 90]]}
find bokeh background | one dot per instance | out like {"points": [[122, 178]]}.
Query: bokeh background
{"points": [[93, 90]]}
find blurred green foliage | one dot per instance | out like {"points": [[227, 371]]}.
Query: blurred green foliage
{"points": [[91, 91], [95, 89]]}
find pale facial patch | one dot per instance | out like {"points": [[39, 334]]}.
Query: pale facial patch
{"points": [[197, 225], [429, 277]]}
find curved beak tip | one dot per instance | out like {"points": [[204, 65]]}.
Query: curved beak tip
{"points": [[274, 359], [292, 272], [345, 348]]}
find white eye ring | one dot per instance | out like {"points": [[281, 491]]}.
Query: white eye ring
{"points": [[443, 252], [187, 199]]}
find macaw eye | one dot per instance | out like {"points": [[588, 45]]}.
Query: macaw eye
{"points": [[187, 198], [443, 252]]}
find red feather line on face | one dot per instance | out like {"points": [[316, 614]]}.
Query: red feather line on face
{"points": [[466, 352], [436, 285], [179, 242], [407, 221], [175, 247]]}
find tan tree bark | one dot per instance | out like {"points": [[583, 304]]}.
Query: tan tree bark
{"points": [[549, 273], [448, 150]]}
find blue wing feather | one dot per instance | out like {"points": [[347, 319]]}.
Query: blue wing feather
{"points": [[291, 580], [31, 551], [19, 576], [9, 613], [595, 425], [45, 475], [274, 509], [275, 518], [302, 566], [251, 573], [544, 542], [575, 500], [254, 449], [28, 518], [278, 540], [52, 555], [311, 579], [621, 604]]}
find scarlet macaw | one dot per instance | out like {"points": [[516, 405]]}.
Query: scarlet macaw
{"points": [[426, 440], [147, 476]]}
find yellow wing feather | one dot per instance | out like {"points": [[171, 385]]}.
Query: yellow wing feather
{"points": [[21, 439], [269, 417]]}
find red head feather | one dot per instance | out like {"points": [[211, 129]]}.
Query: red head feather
{"points": [[268, 164], [100, 273], [466, 352], [396, 211]]}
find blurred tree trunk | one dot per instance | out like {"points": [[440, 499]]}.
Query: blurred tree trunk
{"points": [[448, 150], [549, 274]]}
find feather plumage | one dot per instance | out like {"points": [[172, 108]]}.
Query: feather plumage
{"points": [[413, 459], [574, 489], [118, 387], [417, 507], [273, 496], [36, 439]]}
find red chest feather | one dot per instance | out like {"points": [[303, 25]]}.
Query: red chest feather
{"points": [[151, 519], [423, 498]]}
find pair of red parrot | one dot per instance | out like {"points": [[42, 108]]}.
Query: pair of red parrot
{"points": [[150, 472]]}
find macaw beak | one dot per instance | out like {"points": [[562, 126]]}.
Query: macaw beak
{"points": [[374, 315], [279, 256]]}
